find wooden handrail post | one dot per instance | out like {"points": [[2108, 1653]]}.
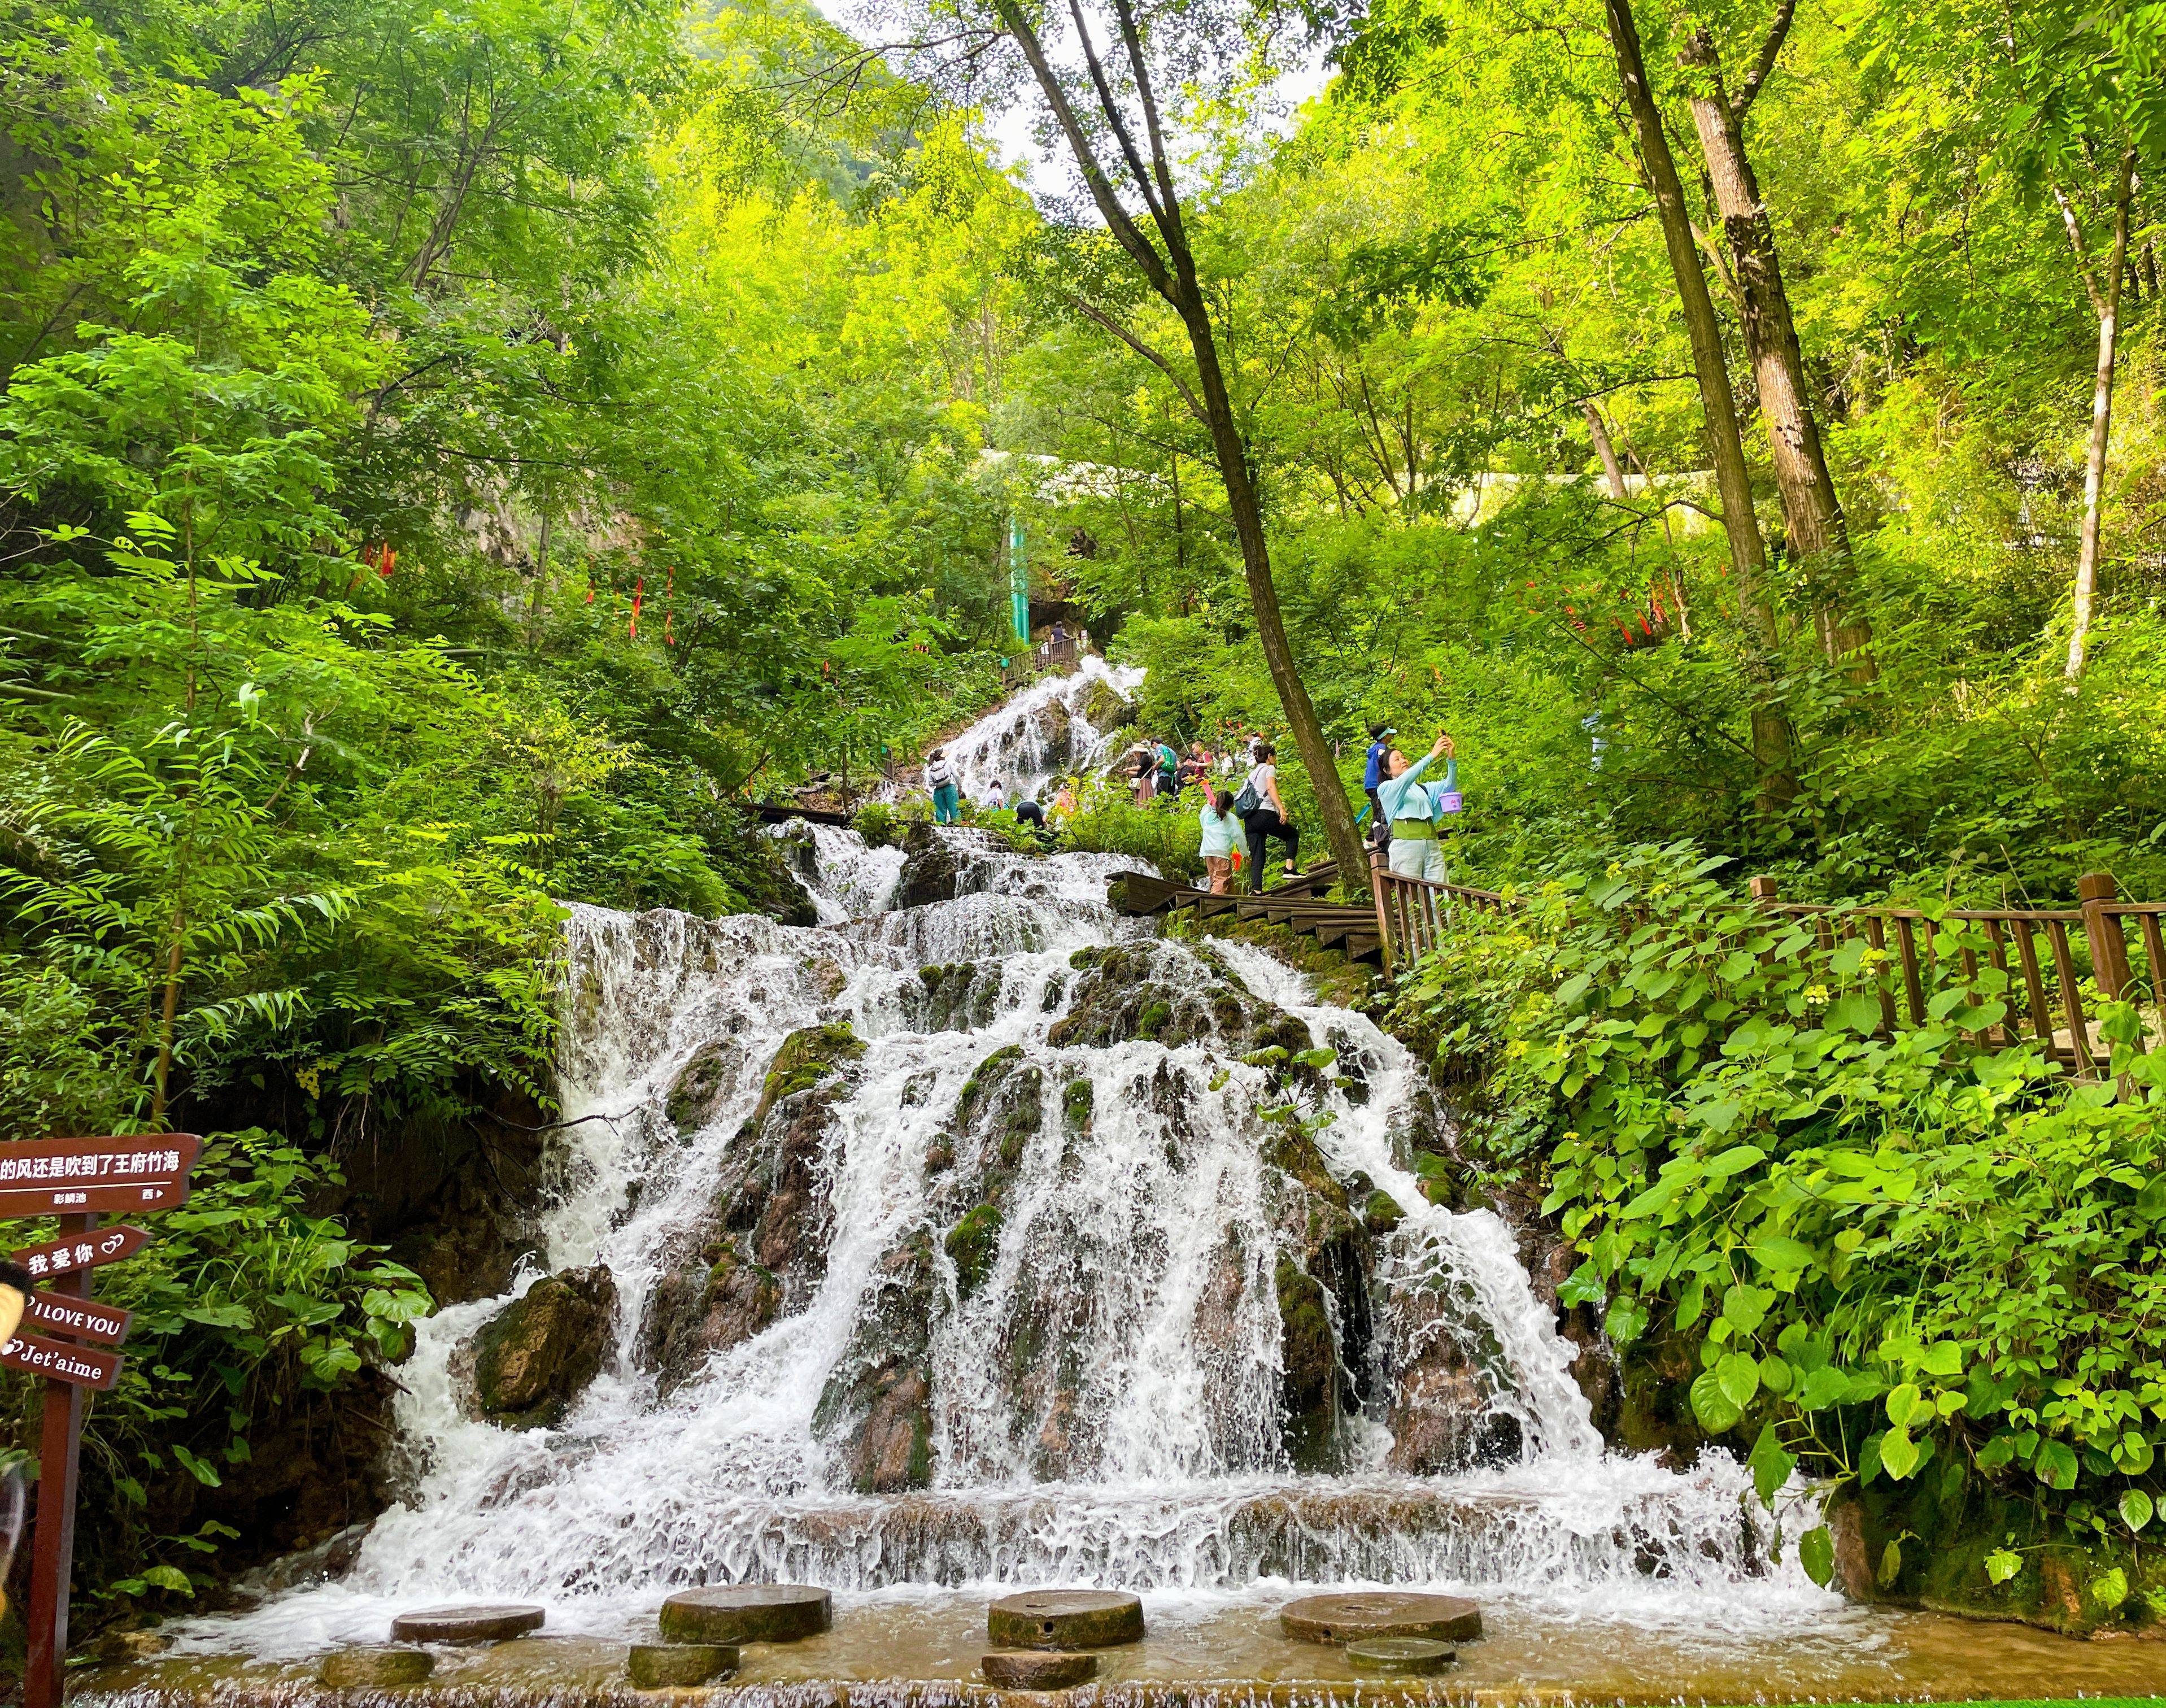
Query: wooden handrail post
{"points": [[1764, 889], [1378, 871], [2097, 893]]}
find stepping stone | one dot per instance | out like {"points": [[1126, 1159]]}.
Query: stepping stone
{"points": [[663, 1666], [734, 1612], [1355, 1617], [1404, 1656], [479, 1624], [1064, 1619], [370, 1668], [1037, 1669]]}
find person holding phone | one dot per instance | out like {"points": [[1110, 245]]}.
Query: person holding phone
{"points": [[1414, 807]]}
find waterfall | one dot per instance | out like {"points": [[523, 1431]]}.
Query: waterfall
{"points": [[1060, 725], [997, 1240]]}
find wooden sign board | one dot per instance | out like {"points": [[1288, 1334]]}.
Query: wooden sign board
{"points": [[79, 1367], [64, 1314], [69, 1176], [83, 1252]]}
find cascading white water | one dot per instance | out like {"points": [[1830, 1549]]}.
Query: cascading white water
{"points": [[1099, 1399], [1047, 730]]}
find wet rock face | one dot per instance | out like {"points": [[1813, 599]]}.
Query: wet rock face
{"points": [[959, 997], [774, 1188], [933, 869], [1133, 991], [1440, 1416], [527, 1363], [876, 1410], [1310, 1385], [690, 1317]]}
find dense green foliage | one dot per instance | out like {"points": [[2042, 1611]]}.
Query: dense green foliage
{"points": [[1869, 1256]]}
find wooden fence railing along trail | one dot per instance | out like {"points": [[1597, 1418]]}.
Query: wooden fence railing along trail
{"points": [[2045, 956]]}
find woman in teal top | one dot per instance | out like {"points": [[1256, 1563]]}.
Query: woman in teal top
{"points": [[1222, 835], [1413, 808]]}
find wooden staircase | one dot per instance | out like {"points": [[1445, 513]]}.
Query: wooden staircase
{"points": [[1350, 931]]}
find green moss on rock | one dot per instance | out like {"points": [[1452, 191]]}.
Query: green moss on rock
{"points": [[973, 1244]]}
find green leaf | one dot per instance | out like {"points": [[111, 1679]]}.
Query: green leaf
{"points": [[1780, 1254], [1772, 1464], [170, 1578], [1823, 1388], [202, 1470], [2109, 1588], [1891, 1565], [2055, 1465], [1733, 1161], [1854, 1012], [1738, 1375], [1899, 1454], [2002, 1564], [1943, 1358], [2136, 1507], [1817, 1554], [1902, 1401], [1716, 1411]]}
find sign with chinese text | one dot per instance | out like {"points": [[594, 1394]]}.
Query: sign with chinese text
{"points": [[83, 1252], [67, 1177]]}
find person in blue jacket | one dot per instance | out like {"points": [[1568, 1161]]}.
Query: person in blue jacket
{"points": [[1414, 806], [1373, 774]]}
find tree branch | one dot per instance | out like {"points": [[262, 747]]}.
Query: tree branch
{"points": [[1091, 311], [1112, 108], [2084, 268], [1778, 33]]}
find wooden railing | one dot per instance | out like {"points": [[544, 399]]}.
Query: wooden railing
{"points": [[2055, 965], [1412, 914], [1025, 667]]}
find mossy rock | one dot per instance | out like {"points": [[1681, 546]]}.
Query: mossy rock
{"points": [[1381, 1213], [808, 1056], [698, 1091], [1078, 1099], [973, 1246], [538, 1354], [1309, 1354]]}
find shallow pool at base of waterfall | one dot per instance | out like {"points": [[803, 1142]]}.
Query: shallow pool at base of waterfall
{"points": [[901, 1647]]}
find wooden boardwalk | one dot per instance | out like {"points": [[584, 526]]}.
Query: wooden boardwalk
{"points": [[1351, 931]]}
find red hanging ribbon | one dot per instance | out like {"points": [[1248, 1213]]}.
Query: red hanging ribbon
{"points": [[638, 599]]}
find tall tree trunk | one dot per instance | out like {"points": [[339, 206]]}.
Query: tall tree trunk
{"points": [[1819, 536], [2105, 299], [1748, 562], [1170, 271]]}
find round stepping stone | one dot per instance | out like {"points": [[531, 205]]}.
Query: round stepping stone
{"points": [[1037, 1669], [1064, 1619], [663, 1666], [1403, 1656], [733, 1613], [1356, 1617], [373, 1666], [479, 1624]]}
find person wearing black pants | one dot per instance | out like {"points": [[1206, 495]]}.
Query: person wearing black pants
{"points": [[1268, 822]]}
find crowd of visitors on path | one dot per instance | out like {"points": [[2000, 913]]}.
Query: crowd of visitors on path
{"points": [[1409, 811]]}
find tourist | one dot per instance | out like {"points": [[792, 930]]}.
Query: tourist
{"points": [[994, 796], [1414, 807], [1169, 769], [1196, 767], [1063, 801], [1266, 820], [940, 781], [1028, 811], [1222, 833], [1143, 769], [1380, 753]]}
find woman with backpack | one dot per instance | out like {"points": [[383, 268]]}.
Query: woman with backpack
{"points": [[1264, 817], [947, 794]]}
